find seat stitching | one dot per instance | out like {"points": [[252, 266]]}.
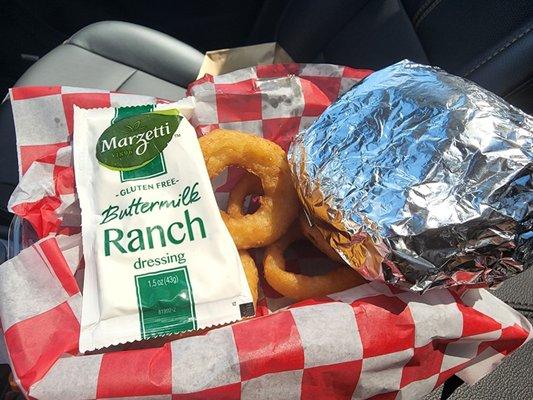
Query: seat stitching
{"points": [[498, 51], [421, 10], [127, 79], [426, 12]]}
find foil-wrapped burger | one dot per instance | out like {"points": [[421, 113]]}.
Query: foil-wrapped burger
{"points": [[421, 179]]}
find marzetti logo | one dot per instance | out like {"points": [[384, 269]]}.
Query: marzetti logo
{"points": [[140, 140], [136, 144]]}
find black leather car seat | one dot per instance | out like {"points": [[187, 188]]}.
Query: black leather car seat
{"points": [[487, 41], [119, 56], [111, 55]]}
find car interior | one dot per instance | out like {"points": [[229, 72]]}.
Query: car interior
{"points": [[157, 49]]}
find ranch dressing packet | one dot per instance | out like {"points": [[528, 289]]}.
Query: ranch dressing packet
{"points": [[158, 257]]}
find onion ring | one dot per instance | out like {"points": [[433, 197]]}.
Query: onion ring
{"points": [[313, 234], [268, 161], [298, 286], [250, 270], [248, 184]]}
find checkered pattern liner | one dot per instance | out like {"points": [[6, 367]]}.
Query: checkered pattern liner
{"points": [[46, 195], [273, 101], [372, 341]]}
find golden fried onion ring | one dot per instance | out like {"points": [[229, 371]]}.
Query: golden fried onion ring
{"points": [[248, 184], [265, 159], [298, 286], [250, 270]]}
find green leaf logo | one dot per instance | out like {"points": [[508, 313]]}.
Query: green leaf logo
{"points": [[133, 142], [135, 126]]}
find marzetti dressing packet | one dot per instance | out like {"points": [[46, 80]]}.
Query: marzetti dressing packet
{"points": [[158, 257]]}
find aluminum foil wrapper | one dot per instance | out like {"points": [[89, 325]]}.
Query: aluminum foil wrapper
{"points": [[421, 179]]}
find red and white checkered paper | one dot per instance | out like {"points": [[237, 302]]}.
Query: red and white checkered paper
{"points": [[274, 101], [368, 342], [46, 195], [372, 341]]}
